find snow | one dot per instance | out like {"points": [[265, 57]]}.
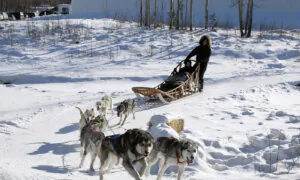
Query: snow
{"points": [[245, 123]]}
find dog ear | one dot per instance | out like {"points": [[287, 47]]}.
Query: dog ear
{"points": [[150, 136], [185, 145]]}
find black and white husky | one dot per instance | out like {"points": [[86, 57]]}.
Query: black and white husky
{"points": [[171, 152], [91, 137], [125, 108], [133, 146]]}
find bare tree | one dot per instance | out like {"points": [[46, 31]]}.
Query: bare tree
{"points": [[181, 14], [206, 14], [147, 14], [191, 15], [141, 12], [171, 13], [245, 29], [186, 13], [241, 7], [162, 16], [178, 15], [155, 12], [248, 27]]}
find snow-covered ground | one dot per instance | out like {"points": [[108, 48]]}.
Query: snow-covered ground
{"points": [[246, 122]]}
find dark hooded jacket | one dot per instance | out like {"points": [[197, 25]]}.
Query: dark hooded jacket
{"points": [[202, 52]]}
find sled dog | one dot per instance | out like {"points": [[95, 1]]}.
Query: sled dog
{"points": [[91, 137], [133, 146], [104, 104], [125, 108], [171, 152], [85, 117]]}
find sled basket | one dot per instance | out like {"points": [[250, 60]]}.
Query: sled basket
{"points": [[184, 88]]}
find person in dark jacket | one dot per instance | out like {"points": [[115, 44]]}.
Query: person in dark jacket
{"points": [[202, 53], [187, 67]]}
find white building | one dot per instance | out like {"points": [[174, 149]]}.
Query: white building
{"points": [[268, 12]]}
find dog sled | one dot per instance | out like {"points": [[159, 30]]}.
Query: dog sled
{"points": [[166, 92]]}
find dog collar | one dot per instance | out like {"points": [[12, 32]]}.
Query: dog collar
{"points": [[178, 159], [138, 155], [94, 130]]}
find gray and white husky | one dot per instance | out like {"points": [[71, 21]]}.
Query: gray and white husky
{"points": [[85, 117], [133, 146], [104, 104], [171, 152], [91, 137], [125, 108]]}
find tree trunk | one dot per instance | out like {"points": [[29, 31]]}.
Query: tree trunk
{"points": [[149, 13], [162, 15], [146, 11], [178, 15], [155, 13], [181, 14], [191, 15], [171, 13], [249, 28], [186, 13], [247, 19], [141, 12], [206, 14], [241, 6]]}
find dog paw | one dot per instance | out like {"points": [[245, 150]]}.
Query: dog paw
{"points": [[92, 170]]}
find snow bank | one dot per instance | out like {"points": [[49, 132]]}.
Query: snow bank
{"points": [[163, 130], [163, 118], [159, 125]]}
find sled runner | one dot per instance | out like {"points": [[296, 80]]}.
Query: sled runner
{"points": [[174, 87]]}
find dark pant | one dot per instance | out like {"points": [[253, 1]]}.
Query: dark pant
{"points": [[203, 66]]}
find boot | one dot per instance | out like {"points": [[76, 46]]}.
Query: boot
{"points": [[200, 85]]}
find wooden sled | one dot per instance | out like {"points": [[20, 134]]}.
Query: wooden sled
{"points": [[188, 87]]}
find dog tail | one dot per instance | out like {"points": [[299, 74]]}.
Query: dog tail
{"points": [[81, 113], [81, 117]]}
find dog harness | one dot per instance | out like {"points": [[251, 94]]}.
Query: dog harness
{"points": [[177, 153], [178, 159], [114, 137]]}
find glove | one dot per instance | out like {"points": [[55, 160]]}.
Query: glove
{"points": [[185, 61]]}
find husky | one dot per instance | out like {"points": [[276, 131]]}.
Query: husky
{"points": [[133, 146], [104, 104], [91, 137], [171, 152], [85, 117], [125, 108]]}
